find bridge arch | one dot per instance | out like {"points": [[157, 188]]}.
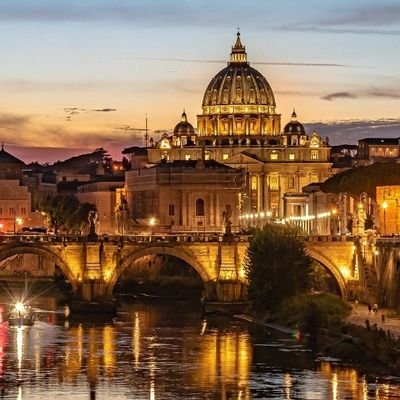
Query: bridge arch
{"points": [[324, 260], [177, 252], [27, 248]]}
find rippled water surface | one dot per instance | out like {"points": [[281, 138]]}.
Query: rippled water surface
{"points": [[159, 351]]}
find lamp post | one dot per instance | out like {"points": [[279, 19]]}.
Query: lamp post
{"points": [[384, 206], [152, 222], [17, 221], [333, 221]]}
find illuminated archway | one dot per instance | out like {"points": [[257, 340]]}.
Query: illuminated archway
{"points": [[327, 263], [26, 248], [184, 255]]}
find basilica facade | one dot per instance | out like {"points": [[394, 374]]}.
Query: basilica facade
{"points": [[239, 127]]}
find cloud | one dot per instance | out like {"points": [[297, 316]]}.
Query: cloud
{"points": [[383, 93], [104, 110], [371, 93], [350, 131], [356, 31], [273, 63], [368, 14], [368, 19], [339, 95], [71, 111], [129, 128], [10, 121], [28, 131], [158, 13]]}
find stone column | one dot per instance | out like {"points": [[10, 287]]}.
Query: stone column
{"points": [[259, 193]]}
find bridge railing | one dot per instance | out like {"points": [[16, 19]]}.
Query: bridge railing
{"points": [[195, 237], [186, 237], [329, 238], [386, 239]]}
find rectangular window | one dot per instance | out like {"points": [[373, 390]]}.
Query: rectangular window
{"points": [[291, 182], [291, 156], [207, 156], [188, 157], [314, 155], [11, 211], [171, 210], [273, 156], [225, 156], [1, 211], [274, 182], [23, 211]]}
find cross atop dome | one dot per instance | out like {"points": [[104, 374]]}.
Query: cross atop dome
{"points": [[238, 54], [184, 116], [294, 115]]}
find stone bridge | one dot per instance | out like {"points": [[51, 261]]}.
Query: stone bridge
{"points": [[93, 267]]}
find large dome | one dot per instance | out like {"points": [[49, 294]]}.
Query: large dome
{"points": [[239, 84], [238, 101]]}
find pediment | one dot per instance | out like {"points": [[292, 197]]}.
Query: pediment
{"points": [[243, 158]]}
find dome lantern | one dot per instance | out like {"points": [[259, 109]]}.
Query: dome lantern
{"points": [[238, 53]]}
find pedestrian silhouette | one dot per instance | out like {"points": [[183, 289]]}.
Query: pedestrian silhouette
{"points": [[383, 318], [375, 308], [367, 324], [369, 308]]}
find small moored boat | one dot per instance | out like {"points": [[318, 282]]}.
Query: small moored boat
{"points": [[21, 315]]}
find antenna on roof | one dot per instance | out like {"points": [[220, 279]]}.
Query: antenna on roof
{"points": [[146, 135]]}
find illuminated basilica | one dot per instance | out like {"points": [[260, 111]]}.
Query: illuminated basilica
{"points": [[240, 128]]}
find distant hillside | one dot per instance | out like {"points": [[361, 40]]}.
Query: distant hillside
{"points": [[363, 179], [84, 163]]}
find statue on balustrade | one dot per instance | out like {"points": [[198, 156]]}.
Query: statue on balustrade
{"points": [[227, 223], [92, 218]]}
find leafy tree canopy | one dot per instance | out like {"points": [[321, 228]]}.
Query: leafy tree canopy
{"points": [[277, 266], [66, 212], [363, 179]]}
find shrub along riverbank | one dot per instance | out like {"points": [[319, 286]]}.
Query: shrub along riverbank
{"points": [[279, 272], [320, 319]]}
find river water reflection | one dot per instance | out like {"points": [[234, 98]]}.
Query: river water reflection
{"points": [[161, 351]]}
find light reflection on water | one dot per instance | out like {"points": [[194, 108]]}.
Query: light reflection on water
{"points": [[162, 352]]}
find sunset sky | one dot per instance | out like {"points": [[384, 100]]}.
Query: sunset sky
{"points": [[82, 74]]}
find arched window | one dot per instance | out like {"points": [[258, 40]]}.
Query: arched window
{"points": [[199, 208]]}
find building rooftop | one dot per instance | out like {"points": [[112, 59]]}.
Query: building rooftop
{"points": [[7, 158], [194, 164], [392, 141], [136, 150]]}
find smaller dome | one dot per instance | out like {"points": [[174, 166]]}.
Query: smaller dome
{"points": [[294, 126], [184, 127]]}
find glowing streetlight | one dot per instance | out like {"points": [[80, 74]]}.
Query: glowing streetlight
{"points": [[384, 206], [17, 221], [152, 223]]}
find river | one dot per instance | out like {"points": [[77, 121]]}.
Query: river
{"points": [[166, 351]]}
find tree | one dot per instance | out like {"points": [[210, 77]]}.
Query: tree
{"points": [[277, 266], [363, 179], [66, 212]]}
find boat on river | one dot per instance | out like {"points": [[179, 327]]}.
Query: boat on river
{"points": [[21, 314]]}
